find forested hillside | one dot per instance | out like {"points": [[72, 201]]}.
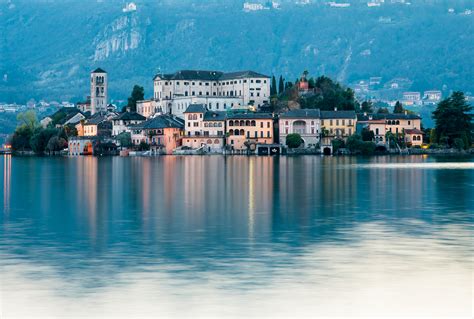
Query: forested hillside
{"points": [[47, 48]]}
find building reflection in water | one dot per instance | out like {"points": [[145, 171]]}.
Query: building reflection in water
{"points": [[87, 181], [7, 175]]}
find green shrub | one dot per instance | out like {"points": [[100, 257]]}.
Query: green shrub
{"points": [[293, 140], [458, 143]]}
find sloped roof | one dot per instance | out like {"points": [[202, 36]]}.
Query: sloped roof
{"points": [[98, 70], [69, 117], [338, 114], [214, 116], [96, 119], [249, 116], [301, 114], [387, 116], [130, 116], [413, 131], [241, 75], [160, 122], [206, 75], [196, 108]]}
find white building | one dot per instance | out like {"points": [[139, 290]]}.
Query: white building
{"points": [[178, 105], [253, 6], [432, 96], [411, 98], [121, 123], [130, 7], [245, 87], [339, 5], [99, 92], [305, 122]]}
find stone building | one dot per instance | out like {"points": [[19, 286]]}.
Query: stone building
{"points": [[99, 91]]}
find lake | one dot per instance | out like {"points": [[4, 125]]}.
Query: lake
{"points": [[213, 236]]}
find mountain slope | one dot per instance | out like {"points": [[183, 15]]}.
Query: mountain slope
{"points": [[50, 46]]}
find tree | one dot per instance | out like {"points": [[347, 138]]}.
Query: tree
{"points": [[56, 144], [366, 107], [273, 86], [383, 110], [453, 119], [458, 143], [124, 139], [293, 140], [20, 139], [40, 139], [311, 83], [143, 146], [356, 145], [329, 95], [353, 142], [138, 94], [398, 108], [433, 136], [281, 85], [367, 135], [337, 144], [28, 119]]}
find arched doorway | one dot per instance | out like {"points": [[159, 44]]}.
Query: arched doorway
{"points": [[327, 151]]}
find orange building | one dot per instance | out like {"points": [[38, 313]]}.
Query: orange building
{"points": [[163, 133], [245, 130]]}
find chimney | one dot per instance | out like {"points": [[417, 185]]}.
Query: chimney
{"points": [[335, 109], [365, 113], [406, 112]]}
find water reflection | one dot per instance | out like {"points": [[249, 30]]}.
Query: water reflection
{"points": [[7, 173], [89, 224]]}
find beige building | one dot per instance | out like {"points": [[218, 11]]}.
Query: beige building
{"points": [[204, 129], [414, 137], [306, 123], [397, 124], [245, 131], [148, 108]]}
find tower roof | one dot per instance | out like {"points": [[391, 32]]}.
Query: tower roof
{"points": [[98, 70]]}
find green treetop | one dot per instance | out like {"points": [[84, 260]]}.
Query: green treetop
{"points": [[138, 94], [453, 120]]}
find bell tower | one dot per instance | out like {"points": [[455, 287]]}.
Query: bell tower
{"points": [[99, 91]]}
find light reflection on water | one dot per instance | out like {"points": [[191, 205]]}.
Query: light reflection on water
{"points": [[238, 236]]}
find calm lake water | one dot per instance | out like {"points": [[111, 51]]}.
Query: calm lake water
{"points": [[236, 236]]}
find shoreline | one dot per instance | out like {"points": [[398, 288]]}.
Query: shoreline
{"points": [[434, 152]]}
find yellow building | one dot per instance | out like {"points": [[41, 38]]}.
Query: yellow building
{"points": [[336, 125], [245, 130]]}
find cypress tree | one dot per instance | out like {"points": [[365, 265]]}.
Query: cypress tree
{"points": [[273, 86], [281, 85]]}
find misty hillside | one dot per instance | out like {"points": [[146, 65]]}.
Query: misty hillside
{"points": [[47, 48]]}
